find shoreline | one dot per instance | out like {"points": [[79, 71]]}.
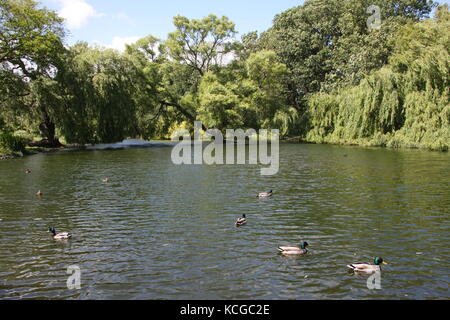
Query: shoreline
{"points": [[30, 151], [293, 140]]}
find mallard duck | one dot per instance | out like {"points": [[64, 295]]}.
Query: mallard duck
{"points": [[105, 180], [59, 236], [28, 171], [265, 194], [295, 250], [39, 193], [369, 268], [241, 221]]}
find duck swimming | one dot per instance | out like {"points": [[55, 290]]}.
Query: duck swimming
{"points": [[367, 268], [295, 250], [59, 236], [265, 194], [39, 193], [28, 171], [241, 221], [105, 180]]}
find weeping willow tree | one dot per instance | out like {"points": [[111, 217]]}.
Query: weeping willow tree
{"points": [[99, 88], [327, 45], [405, 104]]}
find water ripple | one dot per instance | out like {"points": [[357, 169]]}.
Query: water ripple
{"points": [[158, 231]]}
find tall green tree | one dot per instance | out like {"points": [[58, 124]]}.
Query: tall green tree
{"points": [[200, 44], [327, 44], [247, 95], [177, 65], [404, 104], [30, 38], [30, 49], [100, 90], [170, 86]]}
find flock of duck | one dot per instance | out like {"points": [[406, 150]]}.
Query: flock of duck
{"points": [[285, 250], [302, 249]]}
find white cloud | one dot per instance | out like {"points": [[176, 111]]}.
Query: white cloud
{"points": [[77, 13], [119, 43]]}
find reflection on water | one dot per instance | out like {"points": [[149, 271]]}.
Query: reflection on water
{"points": [[159, 231]]}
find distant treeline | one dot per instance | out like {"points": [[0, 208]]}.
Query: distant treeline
{"points": [[319, 73]]}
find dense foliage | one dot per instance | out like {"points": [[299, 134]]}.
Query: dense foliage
{"points": [[328, 44], [31, 48], [11, 144], [406, 103], [319, 72]]}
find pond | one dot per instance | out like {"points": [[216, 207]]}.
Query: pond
{"points": [[161, 231]]}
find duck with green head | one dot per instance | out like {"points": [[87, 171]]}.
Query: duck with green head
{"points": [[295, 250], [241, 221], [368, 268], [59, 236]]}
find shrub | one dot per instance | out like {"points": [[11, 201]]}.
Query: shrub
{"points": [[10, 143]]}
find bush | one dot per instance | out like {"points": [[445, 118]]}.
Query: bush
{"points": [[10, 143]]}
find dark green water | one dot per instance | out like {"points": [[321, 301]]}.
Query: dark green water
{"points": [[158, 231]]}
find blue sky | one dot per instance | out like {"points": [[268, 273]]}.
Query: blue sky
{"points": [[115, 22]]}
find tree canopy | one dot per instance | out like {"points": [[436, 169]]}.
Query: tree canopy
{"points": [[320, 72], [407, 102]]}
